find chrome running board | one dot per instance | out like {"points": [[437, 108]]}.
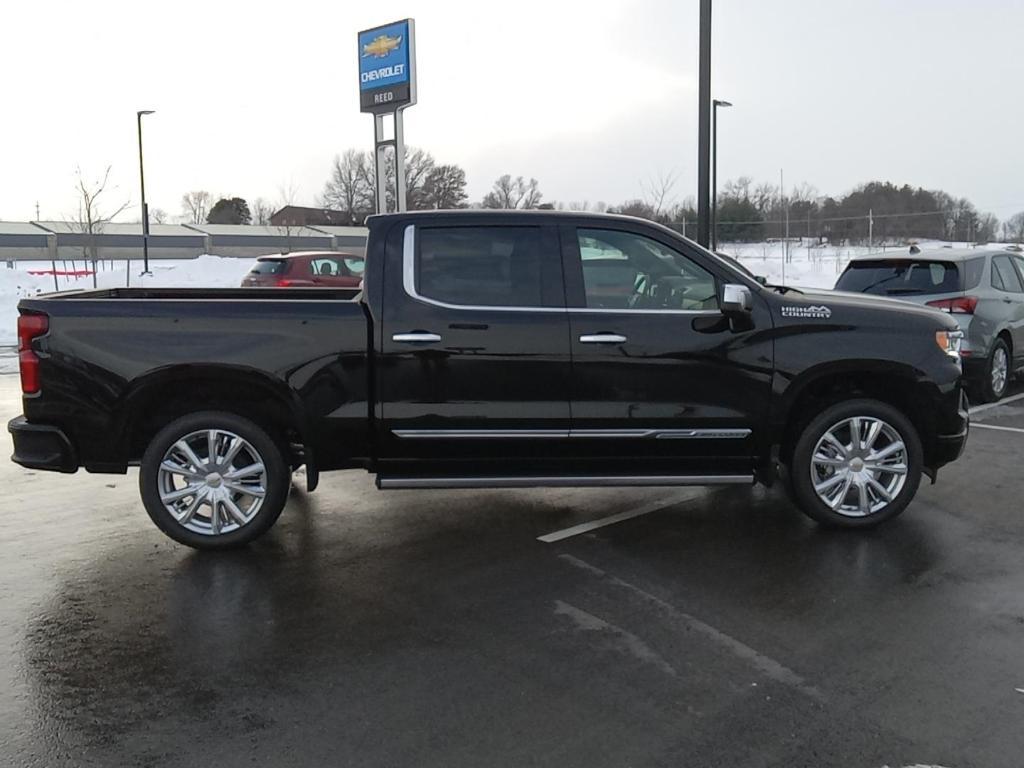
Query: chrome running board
{"points": [[396, 482]]}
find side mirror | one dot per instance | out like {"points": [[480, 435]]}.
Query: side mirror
{"points": [[761, 279], [737, 299]]}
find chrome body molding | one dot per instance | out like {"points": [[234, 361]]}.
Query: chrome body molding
{"points": [[566, 481], [606, 434]]}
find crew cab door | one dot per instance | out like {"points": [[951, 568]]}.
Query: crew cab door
{"points": [[474, 363], [661, 378]]}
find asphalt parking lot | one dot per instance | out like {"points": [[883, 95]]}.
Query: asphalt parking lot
{"points": [[705, 628]]}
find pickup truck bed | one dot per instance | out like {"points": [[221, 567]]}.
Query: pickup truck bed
{"points": [[120, 361]]}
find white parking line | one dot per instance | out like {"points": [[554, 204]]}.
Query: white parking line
{"points": [[1004, 401], [646, 509], [997, 427]]}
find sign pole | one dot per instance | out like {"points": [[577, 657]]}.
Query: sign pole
{"points": [[704, 127], [387, 85]]}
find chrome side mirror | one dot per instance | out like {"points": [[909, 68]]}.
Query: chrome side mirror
{"points": [[737, 299]]}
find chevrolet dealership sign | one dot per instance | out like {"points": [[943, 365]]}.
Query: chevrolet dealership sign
{"points": [[387, 67]]}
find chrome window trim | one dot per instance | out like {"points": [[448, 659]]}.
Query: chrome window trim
{"points": [[409, 284], [605, 434]]}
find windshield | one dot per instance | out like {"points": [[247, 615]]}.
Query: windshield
{"points": [[901, 277]]}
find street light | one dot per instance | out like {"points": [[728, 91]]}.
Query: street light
{"points": [[714, 176], [142, 185]]}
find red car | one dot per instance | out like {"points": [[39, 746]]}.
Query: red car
{"points": [[308, 269]]}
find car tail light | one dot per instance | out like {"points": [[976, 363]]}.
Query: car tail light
{"points": [[962, 305], [30, 326]]}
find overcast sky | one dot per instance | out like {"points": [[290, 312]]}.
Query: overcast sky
{"points": [[592, 98]]}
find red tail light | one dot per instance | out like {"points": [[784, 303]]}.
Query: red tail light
{"points": [[283, 282], [30, 326], [963, 305]]}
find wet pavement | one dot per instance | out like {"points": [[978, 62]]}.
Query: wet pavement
{"points": [[434, 629]]}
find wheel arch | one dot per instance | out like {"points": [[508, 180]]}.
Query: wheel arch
{"points": [[899, 385], [164, 395]]}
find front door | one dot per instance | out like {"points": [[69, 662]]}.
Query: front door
{"points": [[474, 367], [662, 380]]}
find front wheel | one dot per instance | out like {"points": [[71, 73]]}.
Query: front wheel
{"points": [[857, 464], [213, 480]]}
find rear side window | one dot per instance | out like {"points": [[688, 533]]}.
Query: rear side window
{"points": [[268, 267], [482, 266], [901, 277], [1004, 276], [973, 270]]}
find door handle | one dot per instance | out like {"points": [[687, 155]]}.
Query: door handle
{"points": [[602, 338], [416, 337]]}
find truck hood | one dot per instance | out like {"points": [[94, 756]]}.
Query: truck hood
{"points": [[824, 304]]}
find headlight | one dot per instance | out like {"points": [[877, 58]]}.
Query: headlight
{"points": [[950, 342]]}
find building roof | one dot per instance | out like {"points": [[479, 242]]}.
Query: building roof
{"points": [[119, 228], [330, 229], [255, 230], [20, 228]]}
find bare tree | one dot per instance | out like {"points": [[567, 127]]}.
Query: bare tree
{"points": [[91, 219], [445, 187], [158, 216], [351, 186], [195, 206], [287, 194], [658, 192], [262, 210], [1013, 228], [508, 193]]}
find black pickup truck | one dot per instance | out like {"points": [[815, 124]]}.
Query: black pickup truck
{"points": [[493, 349]]}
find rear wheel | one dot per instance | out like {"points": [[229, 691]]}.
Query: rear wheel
{"points": [[856, 464], [213, 480], [996, 377]]}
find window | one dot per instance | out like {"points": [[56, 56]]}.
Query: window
{"points": [[341, 266], [901, 277], [1004, 276], [483, 266], [268, 267], [622, 270]]}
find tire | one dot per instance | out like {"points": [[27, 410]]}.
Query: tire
{"points": [[837, 503], [230, 507], [992, 386]]}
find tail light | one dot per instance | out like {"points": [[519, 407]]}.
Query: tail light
{"points": [[962, 305], [283, 282], [30, 326]]}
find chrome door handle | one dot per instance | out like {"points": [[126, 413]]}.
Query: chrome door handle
{"points": [[602, 338], [417, 337]]}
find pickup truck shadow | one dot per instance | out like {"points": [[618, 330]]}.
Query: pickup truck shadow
{"points": [[155, 634]]}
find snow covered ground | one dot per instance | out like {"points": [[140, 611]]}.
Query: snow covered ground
{"points": [[807, 267], [203, 272]]}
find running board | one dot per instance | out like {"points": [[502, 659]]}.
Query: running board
{"points": [[396, 482]]}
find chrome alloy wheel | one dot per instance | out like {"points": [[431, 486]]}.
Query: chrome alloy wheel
{"points": [[859, 466], [1000, 370], [212, 481]]}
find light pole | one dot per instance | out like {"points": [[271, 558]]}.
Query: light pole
{"points": [[704, 126], [142, 185], [714, 174]]}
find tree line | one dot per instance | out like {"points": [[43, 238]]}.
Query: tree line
{"points": [[879, 211]]}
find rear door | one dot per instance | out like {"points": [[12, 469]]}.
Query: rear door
{"points": [[1009, 283], [474, 363], [335, 271], [663, 382]]}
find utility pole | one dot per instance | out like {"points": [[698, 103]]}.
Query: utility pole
{"points": [[142, 189], [37, 210], [782, 204], [871, 228], [704, 128]]}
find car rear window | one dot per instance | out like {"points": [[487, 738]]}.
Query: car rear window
{"points": [[905, 277], [268, 267]]}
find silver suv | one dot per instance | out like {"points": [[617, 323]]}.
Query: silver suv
{"points": [[983, 288]]}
